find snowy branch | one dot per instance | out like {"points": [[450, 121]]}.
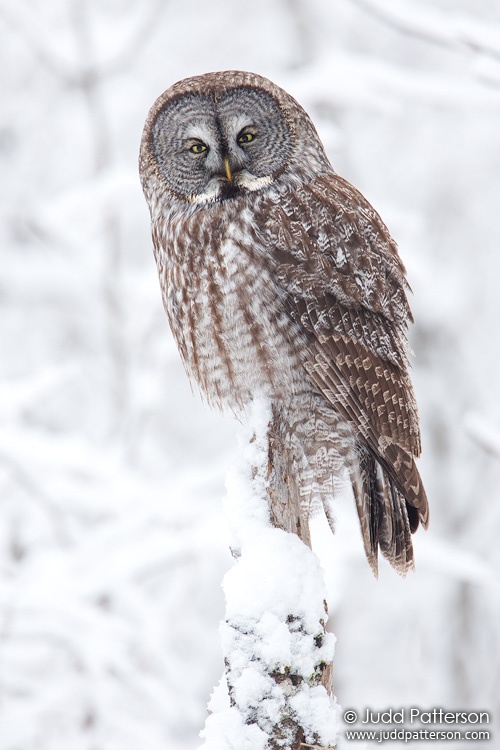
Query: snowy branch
{"points": [[483, 434], [452, 30], [276, 651], [38, 39], [112, 540]]}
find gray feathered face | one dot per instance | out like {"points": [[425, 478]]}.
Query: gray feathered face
{"points": [[209, 148]]}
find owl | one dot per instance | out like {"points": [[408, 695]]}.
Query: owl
{"points": [[280, 280]]}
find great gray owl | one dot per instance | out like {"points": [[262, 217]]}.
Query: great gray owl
{"points": [[280, 279]]}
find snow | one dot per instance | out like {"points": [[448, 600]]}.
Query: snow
{"points": [[113, 536], [275, 614], [448, 28], [483, 433]]}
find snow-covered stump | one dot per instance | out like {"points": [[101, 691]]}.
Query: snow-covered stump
{"points": [[277, 687]]}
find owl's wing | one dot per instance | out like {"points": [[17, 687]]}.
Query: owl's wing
{"points": [[345, 286]]}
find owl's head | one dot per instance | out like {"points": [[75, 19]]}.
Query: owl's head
{"points": [[219, 135]]}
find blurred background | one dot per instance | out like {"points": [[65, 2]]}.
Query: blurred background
{"points": [[113, 542]]}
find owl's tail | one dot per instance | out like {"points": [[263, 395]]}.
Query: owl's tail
{"points": [[387, 516]]}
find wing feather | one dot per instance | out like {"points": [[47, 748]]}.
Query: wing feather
{"points": [[346, 286]]}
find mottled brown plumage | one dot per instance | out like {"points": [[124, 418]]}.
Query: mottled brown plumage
{"points": [[280, 279]]}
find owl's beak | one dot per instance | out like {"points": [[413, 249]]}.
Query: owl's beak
{"points": [[227, 168]]}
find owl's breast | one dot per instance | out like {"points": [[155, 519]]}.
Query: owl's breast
{"points": [[225, 308]]}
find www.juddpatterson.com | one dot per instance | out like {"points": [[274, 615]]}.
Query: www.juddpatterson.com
{"points": [[413, 719]]}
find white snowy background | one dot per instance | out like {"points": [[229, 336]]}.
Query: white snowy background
{"points": [[113, 542]]}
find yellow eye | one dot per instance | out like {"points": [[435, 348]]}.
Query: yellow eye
{"points": [[245, 138], [198, 148]]}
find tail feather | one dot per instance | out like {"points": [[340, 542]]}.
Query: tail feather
{"points": [[395, 535], [387, 517], [369, 498]]}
